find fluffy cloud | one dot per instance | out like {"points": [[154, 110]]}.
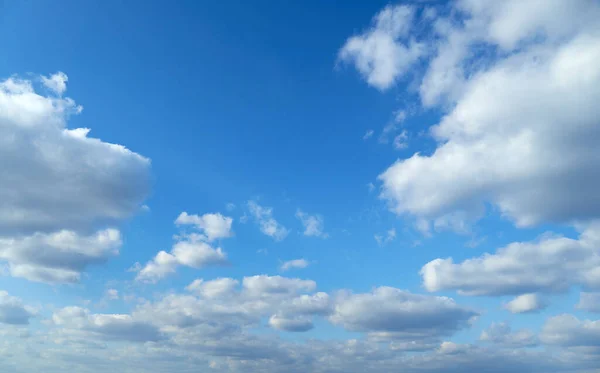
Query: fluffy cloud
{"points": [[296, 263], [383, 53], [567, 330], [403, 314], [501, 333], [106, 326], [268, 224], [58, 185], [263, 284], [313, 224], [294, 324], [57, 257], [214, 226], [525, 303], [520, 130], [213, 288], [589, 302], [550, 264], [57, 178], [189, 250], [13, 311]]}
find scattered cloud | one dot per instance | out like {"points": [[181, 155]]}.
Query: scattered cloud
{"points": [[214, 226], [568, 331], [368, 134], [313, 224], [501, 333], [589, 302], [526, 303], [389, 236], [13, 311], [550, 264], [291, 264], [268, 225], [384, 53]]}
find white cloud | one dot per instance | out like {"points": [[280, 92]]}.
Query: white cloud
{"points": [[567, 330], [58, 257], [368, 134], [383, 53], [294, 324], [214, 226], [389, 236], [58, 185], [296, 263], [111, 294], [501, 333], [526, 303], [188, 250], [118, 327], [550, 264], [60, 179], [13, 311], [589, 302], [313, 224], [509, 137], [263, 284], [57, 83], [268, 225], [401, 140], [405, 315], [213, 288]]}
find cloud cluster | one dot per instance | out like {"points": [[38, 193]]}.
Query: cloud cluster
{"points": [[313, 224], [58, 185], [268, 224], [13, 311]]}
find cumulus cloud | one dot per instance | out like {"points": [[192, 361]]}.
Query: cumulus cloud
{"points": [[58, 257], [550, 264], [568, 331], [296, 263], [384, 52], [402, 314], [294, 324], [214, 288], [118, 327], [214, 226], [501, 333], [188, 250], [58, 185], [59, 177], [313, 224], [268, 224], [526, 303], [520, 127], [13, 311], [589, 302]]}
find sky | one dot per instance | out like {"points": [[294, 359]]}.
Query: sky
{"points": [[300, 186]]}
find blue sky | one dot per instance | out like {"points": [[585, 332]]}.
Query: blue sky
{"points": [[299, 186]]}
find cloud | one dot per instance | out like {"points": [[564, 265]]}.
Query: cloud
{"points": [[214, 226], [589, 302], [390, 235], [57, 83], [296, 263], [58, 257], [188, 250], [368, 134], [106, 326], [508, 137], [111, 294], [263, 284], [403, 314], [501, 333], [213, 289], [567, 330], [296, 324], [59, 185], [313, 224], [60, 179], [525, 303], [383, 53], [550, 264], [13, 311], [268, 225]]}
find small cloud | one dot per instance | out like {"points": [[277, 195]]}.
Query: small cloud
{"points": [[57, 83], [371, 187], [230, 206], [400, 141], [111, 294], [387, 238], [313, 224], [268, 224], [368, 134], [291, 264]]}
